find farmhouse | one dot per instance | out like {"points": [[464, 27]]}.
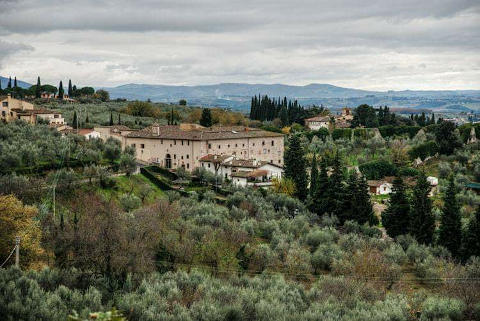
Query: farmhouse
{"points": [[242, 172], [88, 133], [340, 121], [379, 187], [12, 109], [317, 122], [184, 145]]}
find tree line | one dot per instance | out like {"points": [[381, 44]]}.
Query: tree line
{"points": [[264, 108]]}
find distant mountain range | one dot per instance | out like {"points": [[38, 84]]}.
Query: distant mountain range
{"points": [[4, 82], [238, 95]]}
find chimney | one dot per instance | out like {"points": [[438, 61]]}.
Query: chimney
{"points": [[156, 129]]}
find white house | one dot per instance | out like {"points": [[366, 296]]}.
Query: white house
{"points": [[379, 187], [317, 122], [242, 172], [88, 133]]}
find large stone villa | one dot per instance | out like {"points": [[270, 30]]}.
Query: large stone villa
{"points": [[328, 121], [12, 109], [187, 145]]}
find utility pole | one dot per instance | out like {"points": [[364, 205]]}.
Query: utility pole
{"points": [[17, 251]]}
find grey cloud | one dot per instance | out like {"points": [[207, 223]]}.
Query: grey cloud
{"points": [[10, 48]]}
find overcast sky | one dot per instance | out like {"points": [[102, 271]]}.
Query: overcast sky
{"points": [[379, 45]]}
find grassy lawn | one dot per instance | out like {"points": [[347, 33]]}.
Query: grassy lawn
{"points": [[131, 184]]}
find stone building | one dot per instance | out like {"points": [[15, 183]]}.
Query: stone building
{"points": [[184, 145], [12, 109]]}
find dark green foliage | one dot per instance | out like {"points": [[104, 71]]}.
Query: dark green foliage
{"points": [[378, 169], [206, 120], [395, 130], [396, 218], [365, 115], [471, 238], [119, 120], [75, 120], [38, 88], [60, 90], [336, 191], [357, 205], [341, 133], [446, 139], [295, 166], [70, 88], [182, 102], [111, 119], [319, 202], [9, 84], [313, 176], [15, 83], [421, 217], [407, 171], [450, 225], [424, 150], [87, 120], [264, 108]]}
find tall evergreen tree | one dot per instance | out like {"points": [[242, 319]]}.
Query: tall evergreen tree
{"points": [[70, 88], [350, 198], [87, 120], [336, 191], [396, 218], [363, 212], [0, 85], [446, 139], [75, 120], [471, 238], [313, 176], [450, 225], [38, 88], [15, 83], [119, 120], [206, 120], [295, 167], [421, 219], [9, 84], [319, 201], [111, 118], [60, 90]]}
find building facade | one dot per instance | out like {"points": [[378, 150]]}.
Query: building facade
{"points": [[12, 109], [183, 146]]}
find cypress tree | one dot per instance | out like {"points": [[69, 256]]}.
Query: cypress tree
{"points": [[38, 88], [471, 238], [15, 83], [206, 120], [111, 118], [421, 217], [87, 120], [319, 201], [396, 218], [336, 191], [295, 167], [9, 85], [363, 209], [0, 84], [350, 198], [450, 224], [313, 176], [284, 116], [60, 90], [75, 120], [119, 121], [70, 88]]}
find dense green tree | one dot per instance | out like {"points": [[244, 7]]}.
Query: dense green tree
{"points": [[365, 115], [103, 95], [363, 209], [38, 88], [313, 176], [75, 120], [111, 118], [206, 120], [87, 120], [60, 90], [336, 190], [15, 85], [70, 88], [319, 202], [446, 138], [182, 102], [450, 225], [471, 238], [119, 120], [9, 84], [295, 166], [421, 217], [396, 218]]}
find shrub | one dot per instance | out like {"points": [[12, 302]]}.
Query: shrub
{"points": [[319, 236], [378, 169], [323, 257], [424, 150], [435, 308]]}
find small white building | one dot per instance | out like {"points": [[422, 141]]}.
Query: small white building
{"points": [[242, 172], [88, 133], [379, 187], [317, 122]]}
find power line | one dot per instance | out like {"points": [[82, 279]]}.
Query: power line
{"points": [[9, 256]]}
